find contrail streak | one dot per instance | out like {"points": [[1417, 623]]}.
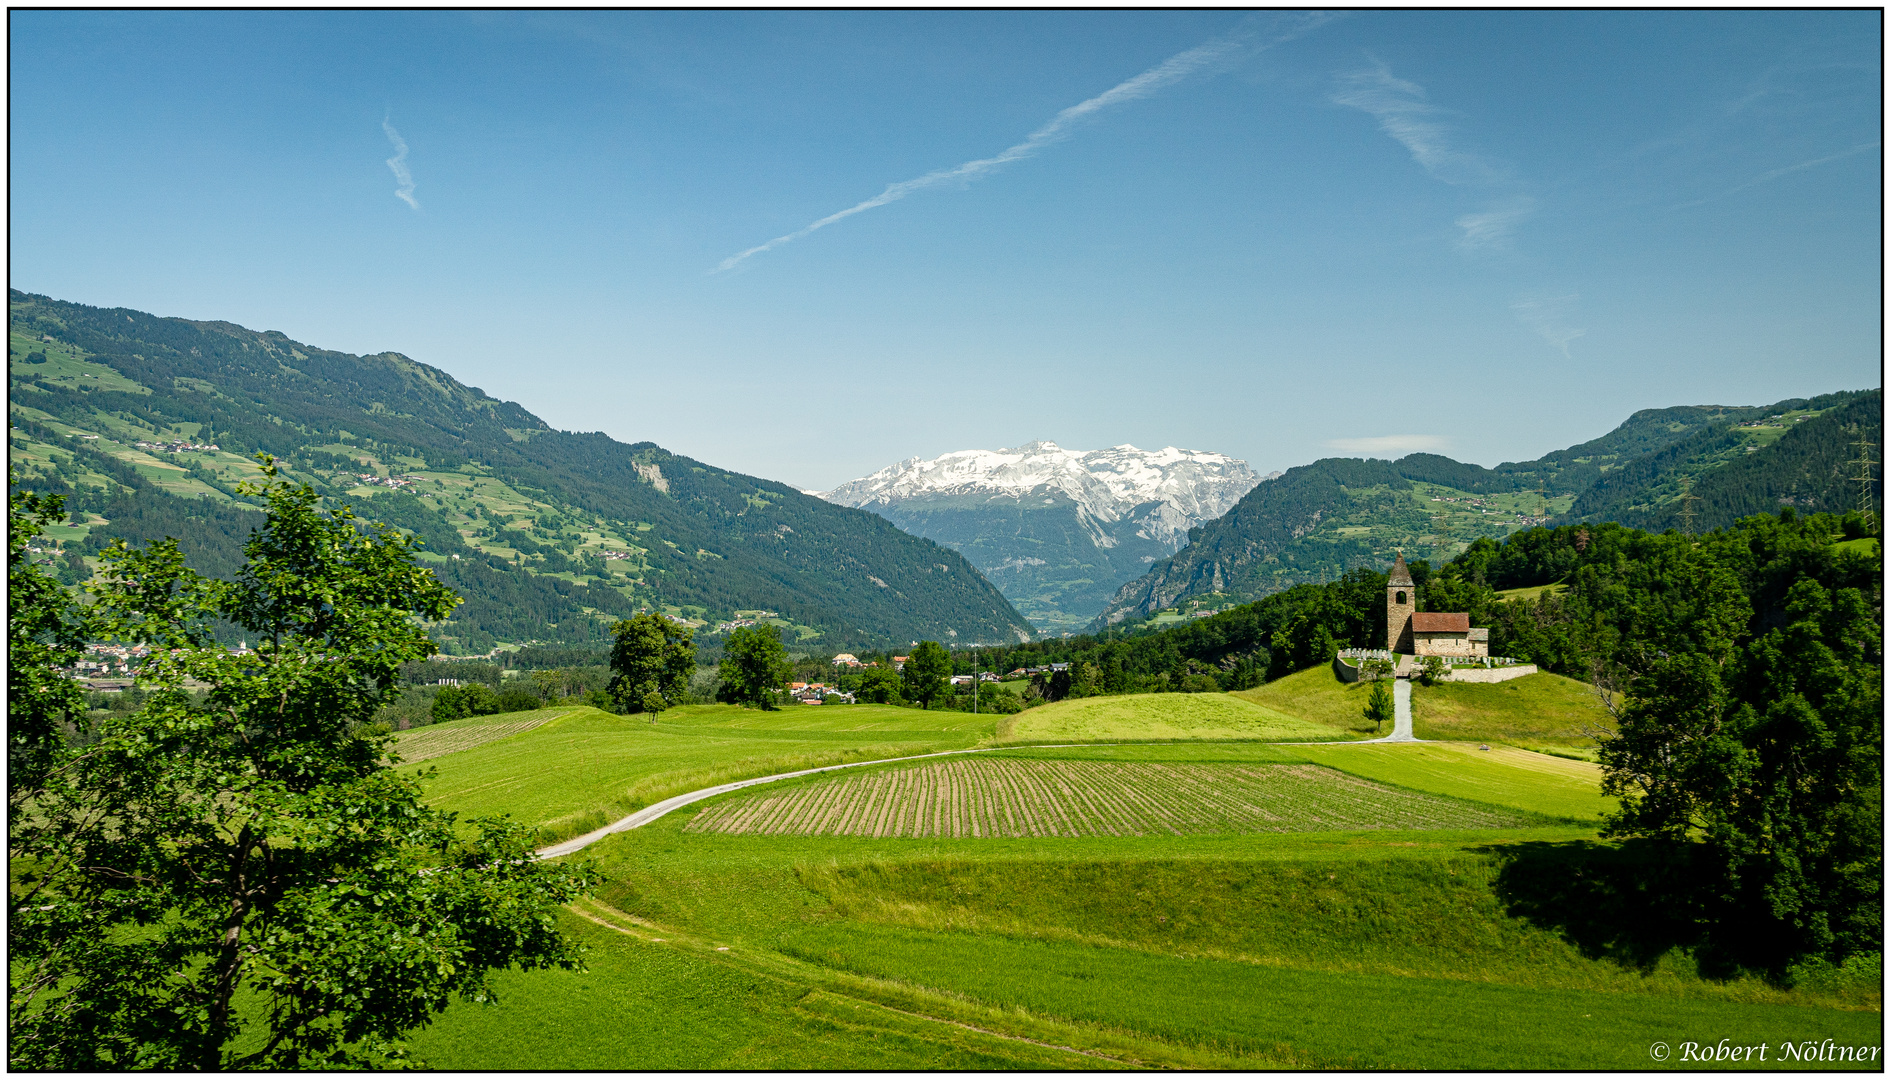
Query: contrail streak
{"points": [[398, 163], [1170, 71]]}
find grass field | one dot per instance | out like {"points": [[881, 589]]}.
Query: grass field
{"points": [[1531, 592], [729, 935], [1317, 695], [1536, 710], [1390, 949], [980, 797], [586, 768], [1157, 716], [453, 736]]}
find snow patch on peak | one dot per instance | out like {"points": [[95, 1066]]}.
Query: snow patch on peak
{"points": [[1164, 492]]}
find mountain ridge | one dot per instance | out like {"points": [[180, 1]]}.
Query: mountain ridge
{"points": [[1056, 530], [579, 528], [1321, 519]]}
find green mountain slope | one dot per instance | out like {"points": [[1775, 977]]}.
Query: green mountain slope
{"points": [[519, 517], [1317, 521], [1799, 454]]}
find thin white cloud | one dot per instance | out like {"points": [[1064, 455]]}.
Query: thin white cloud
{"points": [[1813, 164], [1403, 113], [1550, 317], [398, 163], [1391, 444], [1170, 71], [1491, 229]]}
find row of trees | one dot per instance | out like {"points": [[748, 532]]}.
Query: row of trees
{"points": [[249, 840]]}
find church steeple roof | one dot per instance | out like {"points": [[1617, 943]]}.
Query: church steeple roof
{"points": [[1400, 575]]}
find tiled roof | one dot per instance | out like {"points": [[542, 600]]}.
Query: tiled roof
{"points": [[1441, 622]]}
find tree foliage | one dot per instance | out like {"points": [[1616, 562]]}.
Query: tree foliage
{"points": [[754, 665], [879, 686], [651, 663], [1379, 707], [1752, 746], [46, 631], [251, 843], [925, 679]]}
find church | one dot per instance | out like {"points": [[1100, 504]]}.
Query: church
{"points": [[1427, 633]]}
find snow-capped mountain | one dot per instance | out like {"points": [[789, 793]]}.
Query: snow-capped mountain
{"points": [[1056, 530]]}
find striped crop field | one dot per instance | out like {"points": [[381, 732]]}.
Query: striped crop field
{"points": [[1012, 797], [439, 740]]}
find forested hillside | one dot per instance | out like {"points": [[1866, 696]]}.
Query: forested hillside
{"points": [[1801, 454], [1321, 520], [519, 518]]}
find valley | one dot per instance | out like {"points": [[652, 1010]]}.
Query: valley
{"points": [[550, 536], [744, 939], [1058, 531]]}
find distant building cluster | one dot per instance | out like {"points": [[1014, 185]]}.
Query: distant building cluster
{"points": [[395, 482], [108, 661], [817, 693], [848, 660], [618, 555], [1028, 672], [169, 447], [732, 624]]}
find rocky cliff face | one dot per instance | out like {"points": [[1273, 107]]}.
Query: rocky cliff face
{"points": [[1058, 531]]}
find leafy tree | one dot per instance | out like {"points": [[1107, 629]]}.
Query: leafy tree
{"points": [[754, 665], [1431, 670], [255, 842], [1086, 680], [1757, 764], [651, 663], [45, 631], [879, 686], [1057, 688], [925, 677], [1379, 707], [516, 699], [472, 699]]}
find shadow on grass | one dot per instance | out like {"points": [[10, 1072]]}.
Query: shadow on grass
{"points": [[1628, 902]]}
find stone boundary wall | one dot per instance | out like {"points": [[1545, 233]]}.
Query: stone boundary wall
{"points": [[1488, 675], [1349, 674]]}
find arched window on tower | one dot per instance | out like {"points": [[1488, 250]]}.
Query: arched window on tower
{"points": [[1400, 598]]}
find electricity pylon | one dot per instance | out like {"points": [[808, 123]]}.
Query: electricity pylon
{"points": [[1688, 499], [1862, 474]]}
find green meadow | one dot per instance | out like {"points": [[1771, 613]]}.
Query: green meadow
{"points": [[1537, 710], [1516, 944], [1155, 717], [1317, 695], [588, 767]]}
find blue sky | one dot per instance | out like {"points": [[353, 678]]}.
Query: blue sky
{"points": [[1278, 236]]}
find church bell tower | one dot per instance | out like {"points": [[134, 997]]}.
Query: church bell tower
{"points": [[1401, 599]]}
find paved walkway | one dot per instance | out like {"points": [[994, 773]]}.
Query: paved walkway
{"points": [[1401, 716]]}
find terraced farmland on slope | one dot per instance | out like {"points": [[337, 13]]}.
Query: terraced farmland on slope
{"points": [[1009, 797]]}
